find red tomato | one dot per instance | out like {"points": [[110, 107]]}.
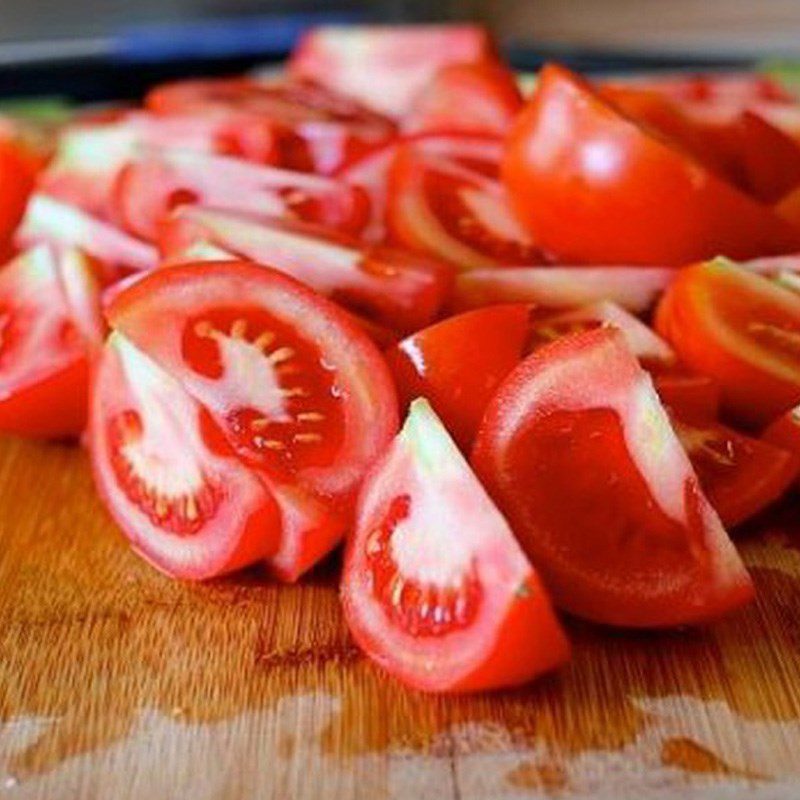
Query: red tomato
{"points": [[595, 187], [457, 364], [385, 66], [50, 221], [435, 588], [739, 328], [397, 289], [17, 174], [440, 207], [740, 476], [633, 288], [50, 325], [577, 451], [481, 97], [185, 501], [147, 189], [784, 432], [691, 396], [297, 389]]}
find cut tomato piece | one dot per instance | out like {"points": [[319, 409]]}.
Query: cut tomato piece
{"points": [[18, 169], [147, 189], [457, 364], [440, 207], [740, 476], [435, 588], [50, 327], [480, 97], [185, 502], [593, 186], [739, 328], [784, 432], [633, 288], [577, 451], [386, 66], [50, 221], [403, 291], [691, 396]]}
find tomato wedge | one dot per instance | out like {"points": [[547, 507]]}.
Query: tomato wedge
{"points": [[741, 329], [435, 588], [180, 495], [458, 363], [633, 288], [578, 453], [690, 395], [595, 187], [147, 189], [480, 97], [740, 476], [400, 290], [297, 389], [50, 326], [440, 207]]}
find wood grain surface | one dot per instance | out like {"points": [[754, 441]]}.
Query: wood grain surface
{"points": [[118, 683]]}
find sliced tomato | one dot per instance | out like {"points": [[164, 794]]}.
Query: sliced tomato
{"points": [[50, 221], [593, 186], [784, 432], [147, 189], [478, 97], [435, 588], [458, 363], [385, 66], [297, 389], [403, 291], [440, 207], [579, 454], [739, 328], [50, 326], [633, 288], [180, 495], [18, 171], [740, 476], [691, 396]]}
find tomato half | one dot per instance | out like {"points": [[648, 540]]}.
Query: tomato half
{"points": [[440, 207], [298, 390], [435, 588], [740, 476], [458, 363], [633, 288], [739, 328], [397, 289], [593, 186], [180, 495], [578, 453], [50, 326], [147, 189]]}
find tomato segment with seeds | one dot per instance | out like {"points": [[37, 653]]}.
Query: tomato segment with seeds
{"points": [[435, 587]]}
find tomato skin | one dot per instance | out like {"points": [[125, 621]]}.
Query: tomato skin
{"points": [[575, 448], [506, 632], [17, 175], [594, 187], [444, 364], [730, 324]]}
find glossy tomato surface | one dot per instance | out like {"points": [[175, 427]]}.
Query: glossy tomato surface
{"points": [[435, 587], [578, 453]]}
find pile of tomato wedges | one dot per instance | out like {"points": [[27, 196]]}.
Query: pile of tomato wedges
{"points": [[523, 354]]}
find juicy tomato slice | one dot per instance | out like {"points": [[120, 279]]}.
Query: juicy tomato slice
{"points": [[594, 186], [50, 221], [385, 66], [740, 476], [689, 395], [480, 97], [634, 288], [435, 588], [190, 508], [147, 189], [49, 328], [440, 207], [739, 328], [18, 171], [577, 451], [403, 291], [458, 363]]}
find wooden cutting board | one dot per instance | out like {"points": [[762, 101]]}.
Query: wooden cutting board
{"points": [[118, 683]]}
